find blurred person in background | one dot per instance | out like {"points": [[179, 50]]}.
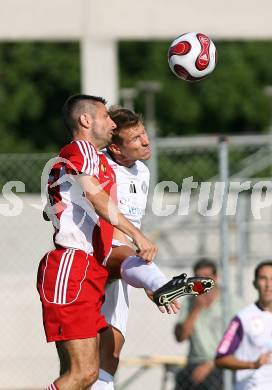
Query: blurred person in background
{"points": [[246, 346], [201, 323]]}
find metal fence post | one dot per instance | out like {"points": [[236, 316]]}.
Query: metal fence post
{"points": [[242, 249], [224, 240], [150, 88], [128, 96]]}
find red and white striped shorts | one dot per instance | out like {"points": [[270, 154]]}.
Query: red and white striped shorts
{"points": [[71, 285]]}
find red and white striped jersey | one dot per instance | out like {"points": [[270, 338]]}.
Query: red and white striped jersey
{"points": [[76, 223]]}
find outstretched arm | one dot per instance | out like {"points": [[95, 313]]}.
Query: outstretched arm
{"points": [[229, 344], [107, 209], [232, 363]]}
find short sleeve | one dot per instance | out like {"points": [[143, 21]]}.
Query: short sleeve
{"points": [[231, 339], [82, 158]]}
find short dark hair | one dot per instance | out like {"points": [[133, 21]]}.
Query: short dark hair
{"points": [[76, 103], [260, 266], [123, 118], [205, 262]]}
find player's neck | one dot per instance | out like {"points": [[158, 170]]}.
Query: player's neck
{"points": [[126, 163], [120, 160], [266, 306], [212, 296], [92, 140]]}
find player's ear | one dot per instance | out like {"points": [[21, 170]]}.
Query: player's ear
{"points": [[114, 148], [254, 283], [85, 120]]}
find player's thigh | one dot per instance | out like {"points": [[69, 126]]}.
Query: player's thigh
{"points": [[118, 255], [82, 354]]}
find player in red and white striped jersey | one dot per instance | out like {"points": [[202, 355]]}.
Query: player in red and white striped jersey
{"points": [[71, 278]]}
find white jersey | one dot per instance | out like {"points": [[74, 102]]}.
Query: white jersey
{"points": [[132, 189], [248, 336]]}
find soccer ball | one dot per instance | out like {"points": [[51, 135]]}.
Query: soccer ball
{"points": [[192, 56]]}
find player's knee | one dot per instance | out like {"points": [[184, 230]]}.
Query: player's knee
{"points": [[90, 376], [110, 364], [85, 377], [116, 355]]}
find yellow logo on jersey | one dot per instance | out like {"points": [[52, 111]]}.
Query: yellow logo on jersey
{"points": [[103, 168]]}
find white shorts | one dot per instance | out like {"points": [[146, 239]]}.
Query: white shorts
{"points": [[116, 305]]}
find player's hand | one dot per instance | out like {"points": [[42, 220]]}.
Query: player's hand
{"points": [[173, 308], [45, 215], [200, 372], [149, 293], [177, 331], [145, 248], [265, 358], [200, 302]]}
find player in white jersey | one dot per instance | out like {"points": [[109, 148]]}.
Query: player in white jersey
{"points": [[247, 344], [130, 144], [132, 190]]}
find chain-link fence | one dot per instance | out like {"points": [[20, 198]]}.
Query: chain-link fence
{"points": [[196, 227], [190, 228], [198, 159]]}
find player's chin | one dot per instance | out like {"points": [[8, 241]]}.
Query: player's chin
{"points": [[146, 154], [108, 141], [268, 296]]}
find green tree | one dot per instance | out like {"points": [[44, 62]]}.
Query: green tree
{"points": [[36, 78], [230, 100]]}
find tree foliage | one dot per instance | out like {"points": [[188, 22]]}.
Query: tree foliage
{"points": [[231, 100], [37, 77]]}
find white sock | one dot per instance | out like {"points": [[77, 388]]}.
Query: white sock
{"points": [[136, 272], [104, 381]]}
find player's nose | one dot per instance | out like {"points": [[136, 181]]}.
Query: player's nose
{"points": [[145, 140], [112, 124]]}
